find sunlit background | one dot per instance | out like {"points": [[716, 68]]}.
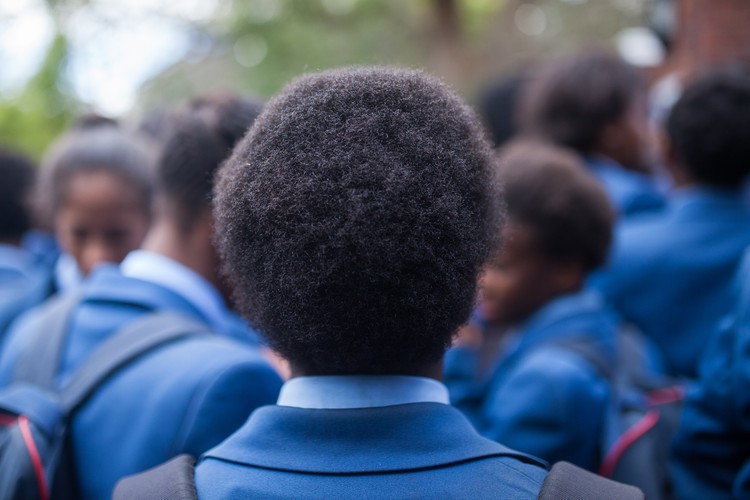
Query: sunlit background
{"points": [[127, 57]]}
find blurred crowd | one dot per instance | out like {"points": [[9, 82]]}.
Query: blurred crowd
{"points": [[576, 247]]}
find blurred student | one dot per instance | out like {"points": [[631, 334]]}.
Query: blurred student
{"points": [[498, 106], [712, 447], [188, 396], [596, 104], [95, 188], [353, 220], [514, 372], [671, 273], [25, 280]]}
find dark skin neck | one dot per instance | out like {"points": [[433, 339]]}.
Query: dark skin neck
{"points": [[192, 248], [13, 242], [433, 371]]}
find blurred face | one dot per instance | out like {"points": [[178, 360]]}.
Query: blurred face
{"points": [[102, 218], [518, 281]]}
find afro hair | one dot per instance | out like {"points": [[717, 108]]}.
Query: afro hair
{"points": [[354, 217]]}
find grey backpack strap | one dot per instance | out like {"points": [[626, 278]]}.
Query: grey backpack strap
{"points": [[568, 482], [173, 480], [137, 338], [40, 359]]}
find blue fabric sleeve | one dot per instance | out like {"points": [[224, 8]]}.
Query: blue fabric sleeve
{"points": [[551, 406], [462, 379]]}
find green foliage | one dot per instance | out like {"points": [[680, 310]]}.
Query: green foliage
{"points": [[31, 121]]}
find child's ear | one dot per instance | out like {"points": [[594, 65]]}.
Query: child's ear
{"points": [[568, 276]]}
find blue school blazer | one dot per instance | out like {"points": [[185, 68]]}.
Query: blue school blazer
{"points": [[420, 450], [672, 274], [631, 193], [541, 397], [711, 457], [185, 397]]}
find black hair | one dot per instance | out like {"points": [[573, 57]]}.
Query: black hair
{"points": [[18, 176], [709, 127], [202, 137], [94, 144], [354, 217], [570, 101], [549, 191], [499, 104]]}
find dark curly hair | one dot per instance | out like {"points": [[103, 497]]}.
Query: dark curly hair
{"points": [[710, 127], [202, 136], [548, 190], [18, 175], [354, 217], [570, 101]]}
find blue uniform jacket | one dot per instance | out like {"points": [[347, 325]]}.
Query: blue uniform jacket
{"points": [[25, 281], [671, 274], [183, 398], [542, 398], [712, 447], [631, 193], [420, 450]]}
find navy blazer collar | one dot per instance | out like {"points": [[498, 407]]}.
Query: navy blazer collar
{"points": [[359, 441]]}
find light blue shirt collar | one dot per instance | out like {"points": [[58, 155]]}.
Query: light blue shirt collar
{"points": [[360, 391], [170, 274], [67, 273]]}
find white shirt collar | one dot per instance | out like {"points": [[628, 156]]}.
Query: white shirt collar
{"points": [[360, 391], [183, 281]]}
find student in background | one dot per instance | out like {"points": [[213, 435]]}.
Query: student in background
{"points": [[511, 371], [595, 104], [671, 274], [712, 447], [95, 188], [188, 396], [25, 279]]}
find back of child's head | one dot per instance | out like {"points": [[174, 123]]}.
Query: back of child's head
{"points": [[96, 189], [18, 176], [202, 137], [354, 217], [570, 101], [499, 104], [709, 128], [548, 191]]}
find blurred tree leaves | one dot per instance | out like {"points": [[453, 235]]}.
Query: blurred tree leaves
{"points": [[34, 118]]}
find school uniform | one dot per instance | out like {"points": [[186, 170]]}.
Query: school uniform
{"points": [[541, 396], [182, 398], [25, 281], [671, 274], [711, 456], [631, 193], [364, 437]]}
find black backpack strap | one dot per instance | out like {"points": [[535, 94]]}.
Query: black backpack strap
{"points": [[40, 359], [592, 354], [173, 480], [568, 482], [137, 338]]}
